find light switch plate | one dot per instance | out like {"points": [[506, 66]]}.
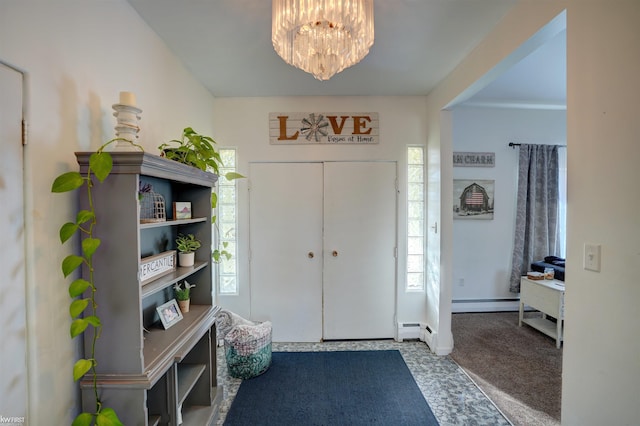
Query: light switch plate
{"points": [[592, 257]]}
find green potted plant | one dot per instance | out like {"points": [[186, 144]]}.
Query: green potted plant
{"points": [[183, 295], [194, 149], [187, 245], [199, 151]]}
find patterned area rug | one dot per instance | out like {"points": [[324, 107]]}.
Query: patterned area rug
{"points": [[330, 388]]}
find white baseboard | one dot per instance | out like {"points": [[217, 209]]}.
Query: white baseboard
{"points": [[485, 305], [429, 337]]}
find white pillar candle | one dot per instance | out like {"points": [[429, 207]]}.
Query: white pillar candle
{"points": [[127, 98]]}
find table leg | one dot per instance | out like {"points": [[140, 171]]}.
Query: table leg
{"points": [[521, 314]]}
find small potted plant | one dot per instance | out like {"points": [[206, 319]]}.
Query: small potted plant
{"points": [[183, 295], [187, 245]]}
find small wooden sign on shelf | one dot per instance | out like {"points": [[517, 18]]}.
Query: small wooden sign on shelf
{"points": [[157, 265]]}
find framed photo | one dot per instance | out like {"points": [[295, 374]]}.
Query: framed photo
{"points": [[169, 313], [473, 199], [181, 210]]}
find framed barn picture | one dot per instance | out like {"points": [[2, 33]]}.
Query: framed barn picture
{"points": [[181, 210], [473, 199]]}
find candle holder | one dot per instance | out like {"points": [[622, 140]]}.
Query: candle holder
{"points": [[127, 117]]}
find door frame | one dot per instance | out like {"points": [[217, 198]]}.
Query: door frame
{"points": [[24, 237]]}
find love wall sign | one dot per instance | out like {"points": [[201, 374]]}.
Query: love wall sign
{"points": [[305, 128]]}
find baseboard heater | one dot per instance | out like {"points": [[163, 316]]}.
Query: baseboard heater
{"points": [[410, 330], [485, 305]]}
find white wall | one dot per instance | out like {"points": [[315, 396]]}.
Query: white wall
{"points": [[482, 249], [79, 55], [243, 123], [601, 364]]}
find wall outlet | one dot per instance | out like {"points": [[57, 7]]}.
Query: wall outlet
{"points": [[592, 257]]}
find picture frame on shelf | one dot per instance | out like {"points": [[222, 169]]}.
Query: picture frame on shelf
{"points": [[169, 313], [181, 210]]}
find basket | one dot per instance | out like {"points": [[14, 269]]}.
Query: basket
{"points": [[247, 344], [248, 350]]}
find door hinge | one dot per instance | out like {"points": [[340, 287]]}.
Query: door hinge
{"points": [[25, 131], [395, 252]]}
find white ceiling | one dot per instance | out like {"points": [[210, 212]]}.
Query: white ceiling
{"points": [[226, 44]]}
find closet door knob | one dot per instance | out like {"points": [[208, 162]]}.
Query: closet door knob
{"points": [[310, 255], [335, 253]]}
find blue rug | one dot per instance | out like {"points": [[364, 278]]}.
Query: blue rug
{"points": [[332, 388]]}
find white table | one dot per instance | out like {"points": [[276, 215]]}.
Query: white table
{"points": [[546, 296]]}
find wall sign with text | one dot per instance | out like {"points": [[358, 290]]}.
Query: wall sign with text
{"points": [[474, 159], [153, 267], [298, 128]]}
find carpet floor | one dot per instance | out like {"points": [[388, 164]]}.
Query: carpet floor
{"points": [[519, 368], [330, 388]]}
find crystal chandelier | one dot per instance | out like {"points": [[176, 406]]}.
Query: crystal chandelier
{"points": [[322, 37]]}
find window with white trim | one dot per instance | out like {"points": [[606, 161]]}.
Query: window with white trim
{"points": [[562, 204], [227, 224], [415, 219]]}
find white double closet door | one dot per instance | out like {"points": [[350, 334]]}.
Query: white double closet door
{"points": [[323, 249]]}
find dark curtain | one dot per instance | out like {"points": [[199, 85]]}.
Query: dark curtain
{"points": [[536, 233]]}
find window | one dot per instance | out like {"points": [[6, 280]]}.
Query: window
{"points": [[415, 218], [227, 223], [562, 202]]}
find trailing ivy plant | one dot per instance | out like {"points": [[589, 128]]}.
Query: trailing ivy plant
{"points": [[83, 311], [219, 252], [194, 149], [200, 151]]}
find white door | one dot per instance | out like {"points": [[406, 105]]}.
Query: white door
{"points": [[13, 330], [286, 248], [290, 203], [359, 250]]}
